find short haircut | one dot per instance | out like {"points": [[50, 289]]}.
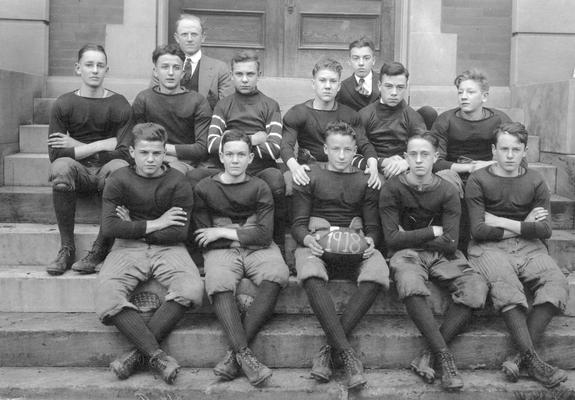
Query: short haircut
{"points": [[172, 49], [427, 136], [362, 42], [473, 75], [234, 135], [149, 132], [393, 68], [92, 47], [339, 128], [511, 128], [245, 56], [327, 63], [190, 17]]}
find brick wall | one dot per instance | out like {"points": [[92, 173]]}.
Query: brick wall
{"points": [[483, 29], [74, 23]]}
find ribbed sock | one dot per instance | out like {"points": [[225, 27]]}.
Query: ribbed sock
{"points": [[422, 316], [358, 305], [102, 242], [538, 320], [517, 326], [65, 209], [165, 319], [261, 309], [457, 318], [131, 324], [229, 316], [324, 309]]}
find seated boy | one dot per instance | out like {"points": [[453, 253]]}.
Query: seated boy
{"points": [[508, 209], [337, 195], [233, 215], [420, 217], [185, 115], [146, 208]]}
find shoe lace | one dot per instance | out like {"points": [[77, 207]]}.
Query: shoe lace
{"points": [[541, 365], [159, 362], [348, 359], [324, 354], [65, 251], [249, 358], [230, 358], [448, 363]]}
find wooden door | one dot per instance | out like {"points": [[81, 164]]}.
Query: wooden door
{"points": [[291, 35]]}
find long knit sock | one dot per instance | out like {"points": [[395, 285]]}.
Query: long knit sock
{"points": [[358, 305], [324, 309], [103, 242], [165, 319], [229, 316], [261, 309], [455, 321], [538, 320], [132, 325], [65, 209], [422, 316], [517, 326]]}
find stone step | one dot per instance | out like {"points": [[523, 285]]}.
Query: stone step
{"points": [[285, 384], [28, 288], [549, 173], [286, 341], [33, 138]]}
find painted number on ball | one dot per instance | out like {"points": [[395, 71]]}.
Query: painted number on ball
{"points": [[343, 242]]}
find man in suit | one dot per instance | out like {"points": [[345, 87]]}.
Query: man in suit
{"points": [[203, 74], [360, 89]]}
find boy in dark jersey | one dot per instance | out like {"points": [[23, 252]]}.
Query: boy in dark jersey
{"points": [[420, 217], [337, 195], [146, 208], [88, 140], [509, 212], [233, 215], [184, 114], [305, 125]]}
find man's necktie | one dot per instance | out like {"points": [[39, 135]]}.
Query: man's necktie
{"points": [[187, 76], [361, 89]]}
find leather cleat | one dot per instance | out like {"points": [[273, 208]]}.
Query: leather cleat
{"points": [[254, 370], [321, 369], [228, 368], [511, 367], [539, 370], [128, 363], [164, 365], [63, 261], [353, 369], [88, 264], [422, 365], [450, 378]]}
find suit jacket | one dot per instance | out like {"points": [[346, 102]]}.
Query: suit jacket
{"points": [[214, 80], [350, 97]]}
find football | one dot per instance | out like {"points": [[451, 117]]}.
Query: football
{"points": [[343, 245]]}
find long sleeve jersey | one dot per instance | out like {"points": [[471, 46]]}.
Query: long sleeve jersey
{"points": [[185, 115], [89, 120], [146, 199], [416, 210], [337, 197], [507, 197], [249, 113], [251, 199]]}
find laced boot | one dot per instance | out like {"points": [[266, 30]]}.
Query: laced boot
{"points": [[321, 369], [253, 369], [128, 363], [539, 370], [228, 368], [63, 260], [511, 367], [164, 365], [450, 378], [353, 369], [88, 264], [422, 365]]}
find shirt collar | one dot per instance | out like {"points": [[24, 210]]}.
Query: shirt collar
{"points": [[368, 78], [196, 56]]}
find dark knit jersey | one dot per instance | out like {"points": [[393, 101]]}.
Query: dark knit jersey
{"points": [[146, 199], [507, 197], [306, 126], [251, 198], [388, 128], [249, 113], [185, 115], [337, 197], [460, 137], [416, 211], [89, 120]]}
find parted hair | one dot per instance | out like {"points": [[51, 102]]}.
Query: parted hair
{"points": [[92, 47], [150, 132], [339, 128], [362, 42], [511, 128], [172, 49], [473, 75], [393, 68], [427, 136], [327, 63], [234, 135], [245, 56]]}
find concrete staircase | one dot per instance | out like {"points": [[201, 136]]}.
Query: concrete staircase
{"points": [[53, 347]]}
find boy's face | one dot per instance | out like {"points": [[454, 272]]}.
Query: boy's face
{"points": [[392, 89], [189, 36], [471, 98], [340, 150], [508, 152], [420, 156], [362, 60], [92, 68], [168, 70], [236, 157], [245, 76], [326, 85], [148, 156]]}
